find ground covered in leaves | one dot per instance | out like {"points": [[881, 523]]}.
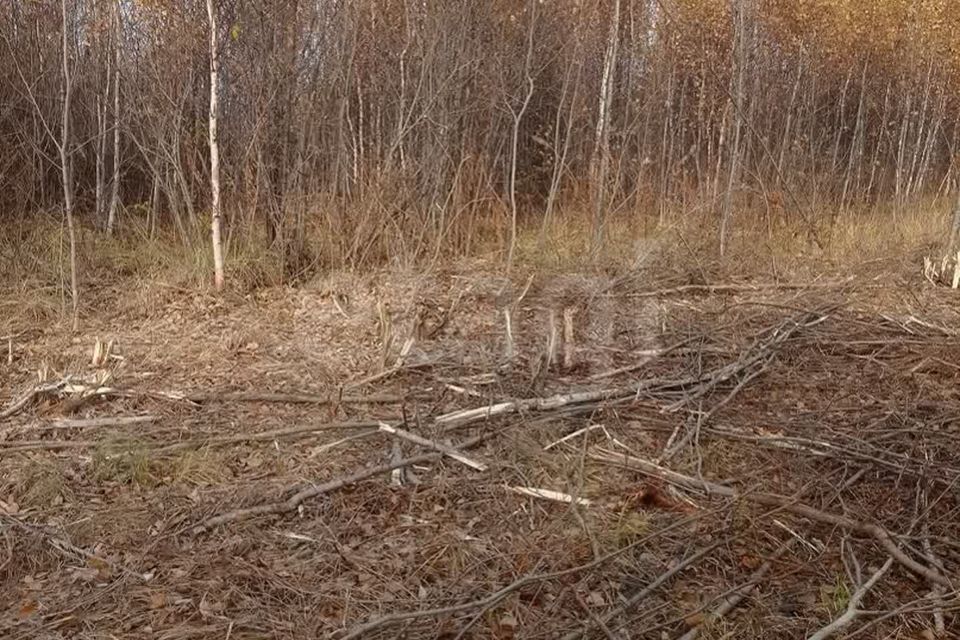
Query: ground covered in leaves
{"points": [[384, 456]]}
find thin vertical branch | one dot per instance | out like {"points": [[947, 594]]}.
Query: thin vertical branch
{"points": [[115, 186], [66, 172]]}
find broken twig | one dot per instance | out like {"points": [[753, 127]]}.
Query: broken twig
{"points": [[436, 446], [853, 605]]}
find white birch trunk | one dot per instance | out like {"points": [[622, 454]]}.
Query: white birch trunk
{"points": [[215, 208]]}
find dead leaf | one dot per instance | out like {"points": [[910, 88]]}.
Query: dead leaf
{"points": [[695, 619], [158, 600], [596, 599], [10, 507], [651, 496], [27, 609], [101, 566]]}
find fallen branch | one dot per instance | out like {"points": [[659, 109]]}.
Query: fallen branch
{"points": [[853, 605], [650, 588], [593, 616], [293, 502], [386, 373], [65, 547], [469, 416], [216, 441], [362, 630], [312, 491], [881, 535], [693, 387], [287, 398], [576, 433], [17, 405], [733, 600], [902, 463], [633, 600], [739, 288], [649, 355], [436, 446], [548, 494], [93, 423], [268, 436], [45, 445], [937, 592]]}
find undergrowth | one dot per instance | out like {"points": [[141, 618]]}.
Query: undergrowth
{"points": [[34, 265]]}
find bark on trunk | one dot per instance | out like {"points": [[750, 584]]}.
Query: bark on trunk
{"points": [[215, 208]]}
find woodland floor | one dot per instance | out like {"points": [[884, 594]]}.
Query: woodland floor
{"points": [[754, 454]]}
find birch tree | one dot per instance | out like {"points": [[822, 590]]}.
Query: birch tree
{"points": [[215, 205]]}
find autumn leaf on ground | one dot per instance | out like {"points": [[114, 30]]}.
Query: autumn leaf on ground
{"points": [[27, 609]]}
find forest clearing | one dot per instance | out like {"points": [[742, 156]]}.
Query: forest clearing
{"points": [[507, 319], [378, 457]]}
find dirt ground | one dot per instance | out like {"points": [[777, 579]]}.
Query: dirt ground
{"points": [[738, 459]]}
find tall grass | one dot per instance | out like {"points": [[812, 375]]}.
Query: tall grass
{"points": [[368, 235]]}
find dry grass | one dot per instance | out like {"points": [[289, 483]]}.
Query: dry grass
{"points": [[365, 238]]}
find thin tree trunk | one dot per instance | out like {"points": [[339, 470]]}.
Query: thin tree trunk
{"points": [[115, 187], [66, 174], [739, 99], [918, 143], [602, 147], [100, 155], [664, 157], [954, 226], [855, 145], [560, 156], [154, 205], [215, 208], [787, 140], [517, 117], [954, 223], [875, 160], [902, 151]]}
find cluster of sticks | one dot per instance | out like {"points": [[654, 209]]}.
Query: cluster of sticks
{"points": [[673, 393]]}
